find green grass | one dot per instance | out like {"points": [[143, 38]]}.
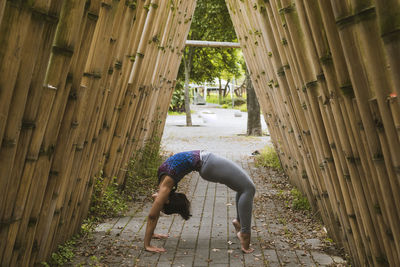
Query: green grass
{"points": [[175, 113], [268, 158], [212, 98], [243, 108], [299, 201]]}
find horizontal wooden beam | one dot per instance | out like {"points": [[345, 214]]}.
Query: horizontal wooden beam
{"points": [[212, 44]]}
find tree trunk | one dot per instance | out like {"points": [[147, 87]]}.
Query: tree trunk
{"points": [[253, 109], [219, 91], [226, 87], [187, 62]]}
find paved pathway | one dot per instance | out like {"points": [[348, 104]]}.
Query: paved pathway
{"points": [[208, 238]]}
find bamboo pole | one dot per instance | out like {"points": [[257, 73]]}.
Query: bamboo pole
{"points": [[292, 72], [108, 102], [394, 105], [273, 101], [275, 55], [144, 92], [157, 78], [82, 96], [127, 109], [55, 79], [97, 116], [355, 186], [133, 140], [122, 48], [305, 78], [388, 13], [256, 78], [13, 31], [168, 81], [18, 193], [140, 127], [11, 49], [359, 81], [379, 82], [279, 98], [284, 78], [56, 189], [343, 80], [354, 231], [100, 16], [2, 8], [127, 64]]}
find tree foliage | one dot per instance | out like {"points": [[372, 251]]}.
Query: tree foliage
{"points": [[211, 22]]}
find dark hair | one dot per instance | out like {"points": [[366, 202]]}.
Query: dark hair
{"points": [[178, 203]]}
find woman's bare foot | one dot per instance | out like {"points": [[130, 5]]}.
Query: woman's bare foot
{"points": [[236, 224], [245, 242], [160, 236]]}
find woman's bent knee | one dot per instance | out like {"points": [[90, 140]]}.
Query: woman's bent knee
{"points": [[251, 189]]}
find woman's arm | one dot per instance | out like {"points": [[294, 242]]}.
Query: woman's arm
{"points": [[158, 204]]}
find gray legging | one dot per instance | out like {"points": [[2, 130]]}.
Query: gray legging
{"points": [[220, 170]]}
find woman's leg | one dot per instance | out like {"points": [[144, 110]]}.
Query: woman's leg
{"points": [[245, 207], [221, 170], [237, 206], [236, 222]]}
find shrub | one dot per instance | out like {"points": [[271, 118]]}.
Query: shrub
{"points": [[107, 200], [65, 253], [173, 113], [142, 180], [178, 99], [268, 158], [299, 201], [239, 101]]}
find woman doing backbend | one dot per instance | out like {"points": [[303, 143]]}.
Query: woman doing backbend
{"points": [[212, 168]]}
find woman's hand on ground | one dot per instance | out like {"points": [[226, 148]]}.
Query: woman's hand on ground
{"points": [[160, 236], [155, 249]]}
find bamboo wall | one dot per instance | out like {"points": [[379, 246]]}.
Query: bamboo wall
{"points": [[327, 77], [83, 84]]}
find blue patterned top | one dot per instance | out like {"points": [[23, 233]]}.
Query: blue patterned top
{"points": [[180, 164]]}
